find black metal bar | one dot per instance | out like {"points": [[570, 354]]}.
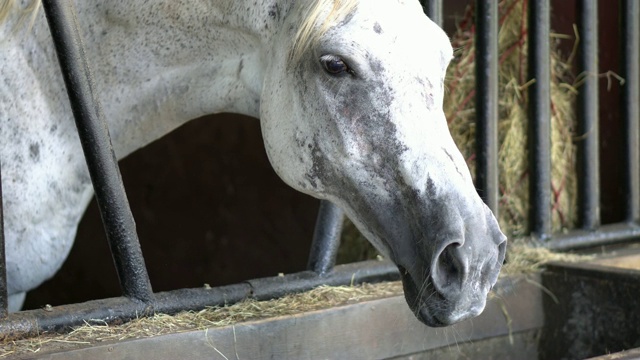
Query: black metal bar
{"points": [[433, 9], [326, 238], [630, 46], [605, 235], [487, 101], [4, 300], [96, 143], [539, 112], [588, 130], [348, 274], [33, 322]]}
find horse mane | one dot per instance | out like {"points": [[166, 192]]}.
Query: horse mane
{"points": [[310, 31], [27, 14], [313, 26]]}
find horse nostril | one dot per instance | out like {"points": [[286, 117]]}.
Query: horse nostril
{"points": [[502, 250], [449, 268]]}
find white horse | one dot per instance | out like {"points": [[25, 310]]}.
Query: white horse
{"points": [[349, 94]]}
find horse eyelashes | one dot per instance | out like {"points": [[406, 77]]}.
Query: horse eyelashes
{"points": [[334, 65]]}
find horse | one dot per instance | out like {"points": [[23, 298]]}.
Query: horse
{"points": [[349, 97]]}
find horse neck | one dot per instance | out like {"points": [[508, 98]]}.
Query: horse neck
{"points": [[168, 62]]}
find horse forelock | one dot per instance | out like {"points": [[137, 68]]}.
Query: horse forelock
{"points": [[6, 7], [315, 24], [27, 11]]}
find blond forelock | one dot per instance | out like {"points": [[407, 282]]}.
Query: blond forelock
{"points": [[315, 24]]}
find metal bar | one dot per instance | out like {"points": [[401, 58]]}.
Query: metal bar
{"points": [[588, 157], [348, 274], [326, 238], [96, 143], [4, 300], [33, 322], [630, 46], [539, 112], [605, 235], [487, 101], [433, 9]]}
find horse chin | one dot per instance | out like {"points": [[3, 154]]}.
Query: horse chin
{"points": [[433, 308], [412, 295]]}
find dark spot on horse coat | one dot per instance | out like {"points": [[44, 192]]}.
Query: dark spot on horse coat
{"points": [[274, 11], [240, 67], [34, 151], [431, 188], [318, 169], [377, 28], [376, 66]]}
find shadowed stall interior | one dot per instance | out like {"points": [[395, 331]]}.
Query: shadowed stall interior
{"points": [[209, 209]]}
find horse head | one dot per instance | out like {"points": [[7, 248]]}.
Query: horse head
{"points": [[353, 113]]}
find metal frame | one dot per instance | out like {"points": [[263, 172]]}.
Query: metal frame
{"points": [[138, 297]]}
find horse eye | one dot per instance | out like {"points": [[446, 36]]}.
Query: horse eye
{"points": [[334, 65]]}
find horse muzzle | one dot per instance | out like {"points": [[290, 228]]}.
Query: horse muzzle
{"points": [[453, 283]]}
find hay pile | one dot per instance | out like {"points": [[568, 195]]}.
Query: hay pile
{"points": [[527, 259], [459, 107]]}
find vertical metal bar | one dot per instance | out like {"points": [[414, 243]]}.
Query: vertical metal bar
{"points": [[588, 157], [433, 9], [326, 238], [487, 101], [630, 46], [539, 113], [96, 143], [4, 302]]}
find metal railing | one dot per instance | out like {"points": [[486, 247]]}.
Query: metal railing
{"points": [[138, 298]]}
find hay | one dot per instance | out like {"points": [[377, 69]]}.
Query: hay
{"points": [[527, 259], [99, 332]]}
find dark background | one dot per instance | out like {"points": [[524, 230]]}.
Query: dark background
{"points": [[208, 208]]}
